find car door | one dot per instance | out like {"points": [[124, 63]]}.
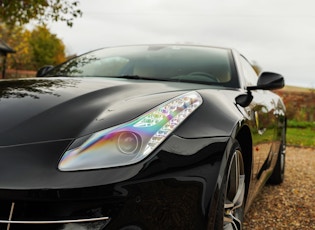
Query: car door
{"points": [[262, 121]]}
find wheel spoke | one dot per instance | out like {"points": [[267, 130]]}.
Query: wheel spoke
{"points": [[233, 224], [239, 196], [233, 205]]}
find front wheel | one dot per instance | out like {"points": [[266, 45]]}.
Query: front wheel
{"points": [[230, 209]]}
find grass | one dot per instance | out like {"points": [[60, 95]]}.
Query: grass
{"points": [[301, 133], [304, 137], [301, 124], [298, 134]]}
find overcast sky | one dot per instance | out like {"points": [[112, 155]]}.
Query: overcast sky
{"points": [[277, 34]]}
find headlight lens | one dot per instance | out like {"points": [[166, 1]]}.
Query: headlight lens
{"points": [[130, 142]]}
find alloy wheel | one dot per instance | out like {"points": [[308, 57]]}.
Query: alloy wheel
{"points": [[235, 193]]}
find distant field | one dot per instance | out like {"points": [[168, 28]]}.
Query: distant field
{"points": [[300, 104], [297, 89]]}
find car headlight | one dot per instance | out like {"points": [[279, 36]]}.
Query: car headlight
{"points": [[132, 141]]}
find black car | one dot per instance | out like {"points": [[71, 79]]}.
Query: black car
{"points": [[139, 137]]}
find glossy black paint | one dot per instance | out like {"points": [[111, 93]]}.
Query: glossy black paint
{"points": [[63, 103], [268, 81], [175, 187], [130, 191]]}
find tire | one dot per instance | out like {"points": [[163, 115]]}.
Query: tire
{"points": [[230, 210], [277, 176]]}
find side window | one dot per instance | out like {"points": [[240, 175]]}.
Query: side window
{"points": [[249, 73]]}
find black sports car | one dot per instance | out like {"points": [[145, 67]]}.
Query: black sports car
{"points": [[139, 137]]}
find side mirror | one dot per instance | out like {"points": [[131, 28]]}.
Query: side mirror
{"points": [[268, 81], [43, 70], [244, 99]]}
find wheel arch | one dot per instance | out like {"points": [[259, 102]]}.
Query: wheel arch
{"points": [[240, 139], [244, 139]]}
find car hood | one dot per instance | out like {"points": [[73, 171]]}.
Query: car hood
{"points": [[50, 109]]}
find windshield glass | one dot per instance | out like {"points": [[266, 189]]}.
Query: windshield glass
{"points": [[168, 63]]}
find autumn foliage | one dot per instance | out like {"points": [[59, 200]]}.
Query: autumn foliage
{"points": [[20, 12], [37, 47], [300, 103], [34, 49]]}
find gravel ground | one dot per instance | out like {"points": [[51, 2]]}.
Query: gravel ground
{"points": [[291, 204]]}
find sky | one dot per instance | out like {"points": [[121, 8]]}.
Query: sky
{"points": [[278, 35]]}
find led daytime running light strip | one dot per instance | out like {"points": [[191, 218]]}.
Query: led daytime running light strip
{"points": [[176, 111]]}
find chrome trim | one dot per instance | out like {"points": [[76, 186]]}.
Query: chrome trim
{"points": [[11, 214], [53, 221]]}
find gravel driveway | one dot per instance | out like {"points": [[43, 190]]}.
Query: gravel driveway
{"points": [[290, 205]]}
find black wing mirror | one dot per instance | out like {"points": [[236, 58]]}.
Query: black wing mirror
{"points": [[268, 81], [43, 70]]}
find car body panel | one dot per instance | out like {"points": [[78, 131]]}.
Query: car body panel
{"points": [[62, 102], [44, 117]]}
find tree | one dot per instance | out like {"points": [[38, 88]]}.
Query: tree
{"points": [[46, 48], [33, 48], [19, 41], [20, 12]]}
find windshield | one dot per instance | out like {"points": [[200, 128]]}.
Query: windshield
{"points": [[166, 63]]}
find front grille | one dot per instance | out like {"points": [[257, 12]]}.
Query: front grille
{"points": [[21, 215]]}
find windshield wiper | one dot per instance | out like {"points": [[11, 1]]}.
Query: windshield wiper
{"points": [[129, 76], [137, 77]]}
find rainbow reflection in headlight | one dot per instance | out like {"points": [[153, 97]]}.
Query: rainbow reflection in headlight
{"points": [[102, 149]]}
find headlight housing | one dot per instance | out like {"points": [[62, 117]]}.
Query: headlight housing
{"points": [[132, 141]]}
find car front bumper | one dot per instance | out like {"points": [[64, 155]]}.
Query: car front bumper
{"points": [[172, 189]]}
